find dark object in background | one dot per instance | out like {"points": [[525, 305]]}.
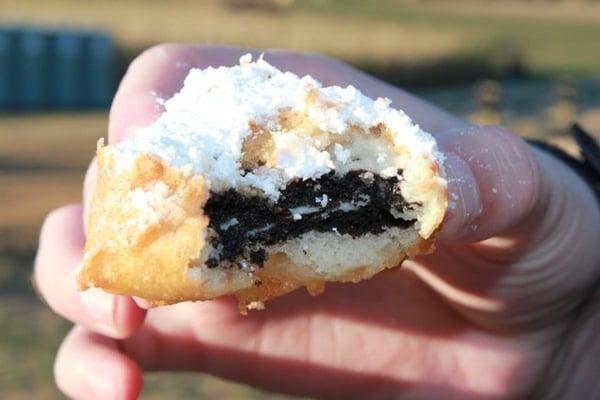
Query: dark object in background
{"points": [[54, 69], [8, 46], [588, 164], [67, 70], [32, 76], [102, 70], [590, 149], [260, 5]]}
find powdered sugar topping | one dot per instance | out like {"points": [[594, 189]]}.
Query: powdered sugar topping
{"points": [[204, 126]]}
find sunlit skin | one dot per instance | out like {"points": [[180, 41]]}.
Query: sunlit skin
{"points": [[478, 319]]}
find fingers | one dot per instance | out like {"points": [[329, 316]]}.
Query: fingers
{"points": [[350, 342], [493, 182], [533, 277], [90, 366], [59, 255]]}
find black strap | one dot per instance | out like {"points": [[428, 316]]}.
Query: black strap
{"points": [[588, 167]]}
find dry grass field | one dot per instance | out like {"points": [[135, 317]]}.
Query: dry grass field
{"points": [[43, 156], [401, 35], [42, 161], [141, 24]]}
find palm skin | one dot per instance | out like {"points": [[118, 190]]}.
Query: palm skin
{"points": [[391, 336], [478, 319]]}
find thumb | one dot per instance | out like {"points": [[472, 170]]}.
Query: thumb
{"points": [[493, 182]]}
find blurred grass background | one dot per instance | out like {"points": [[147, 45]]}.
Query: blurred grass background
{"points": [[531, 65]]}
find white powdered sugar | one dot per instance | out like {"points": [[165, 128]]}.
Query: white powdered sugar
{"points": [[204, 126], [341, 154], [297, 156]]}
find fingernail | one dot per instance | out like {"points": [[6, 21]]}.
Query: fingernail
{"points": [[102, 382], [101, 307], [464, 200], [143, 303]]}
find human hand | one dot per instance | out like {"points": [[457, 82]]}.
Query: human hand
{"points": [[479, 318]]}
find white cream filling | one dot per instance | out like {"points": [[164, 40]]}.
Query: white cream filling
{"points": [[319, 255], [335, 255], [303, 210], [255, 231], [229, 223]]}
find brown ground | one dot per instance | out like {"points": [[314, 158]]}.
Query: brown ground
{"points": [[42, 163]]}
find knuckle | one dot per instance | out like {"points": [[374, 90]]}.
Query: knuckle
{"points": [[519, 160], [44, 271], [61, 365], [59, 213], [54, 218]]}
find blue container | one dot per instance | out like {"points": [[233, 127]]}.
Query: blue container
{"points": [[68, 68], [34, 70], [101, 70], [8, 68], [49, 69]]}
